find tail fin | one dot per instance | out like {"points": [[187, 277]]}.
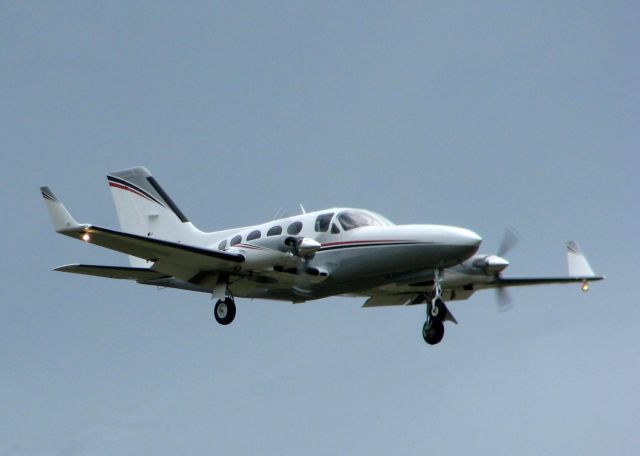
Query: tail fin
{"points": [[144, 208]]}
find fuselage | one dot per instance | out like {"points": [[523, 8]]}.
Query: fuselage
{"points": [[358, 249]]}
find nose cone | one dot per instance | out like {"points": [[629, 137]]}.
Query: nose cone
{"points": [[464, 237], [462, 243]]}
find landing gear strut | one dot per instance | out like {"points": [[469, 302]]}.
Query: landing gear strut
{"points": [[433, 328], [225, 310], [437, 310]]}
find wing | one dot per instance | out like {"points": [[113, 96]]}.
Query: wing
{"points": [[157, 250], [171, 258], [459, 283], [527, 281], [578, 267]]}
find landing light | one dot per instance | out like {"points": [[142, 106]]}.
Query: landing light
{"points": [[86, 237], [585, 286]]}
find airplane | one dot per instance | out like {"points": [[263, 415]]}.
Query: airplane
{"points": [[313, 255]]}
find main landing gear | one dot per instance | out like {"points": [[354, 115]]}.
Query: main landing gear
{"points": [[433, 328], [225, 310]]}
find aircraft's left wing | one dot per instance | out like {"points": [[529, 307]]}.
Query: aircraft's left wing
{"points": [[579, 270], [524, 281], [460, 284]]}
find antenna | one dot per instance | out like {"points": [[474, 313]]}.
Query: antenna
{"points": [[280, 213], [302, 209]]}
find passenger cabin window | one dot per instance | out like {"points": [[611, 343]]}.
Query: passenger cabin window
{"points": [[335, 229], [322, 222], [294, 228], [355, 219], [222, 245], [254, 235], [274, 231], [236, 240]]}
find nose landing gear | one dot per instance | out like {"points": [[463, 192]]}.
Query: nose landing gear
{"points": [[433, 328], [433, 331]]}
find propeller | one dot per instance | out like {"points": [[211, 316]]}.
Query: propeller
{"points": [[509, 241], [503, 299]]}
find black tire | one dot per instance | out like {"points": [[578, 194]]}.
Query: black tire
{"points": [[225, 311], [433, 332], [442, 311]]}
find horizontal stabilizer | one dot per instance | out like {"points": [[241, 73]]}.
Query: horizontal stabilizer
{"points": [[112, 272]]}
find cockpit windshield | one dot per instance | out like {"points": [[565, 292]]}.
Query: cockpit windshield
{"points": [[355, 219]]}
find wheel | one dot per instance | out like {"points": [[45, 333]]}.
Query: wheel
{"points": [[439, 311], [433, 332], [225, 311]]}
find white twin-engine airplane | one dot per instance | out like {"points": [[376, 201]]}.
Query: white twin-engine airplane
{"points": [[314, 255]]}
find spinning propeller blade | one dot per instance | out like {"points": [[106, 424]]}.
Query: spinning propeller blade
{"points": [[509, 241], [503, 299]]}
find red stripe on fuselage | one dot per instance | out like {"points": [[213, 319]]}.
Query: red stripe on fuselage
{"points": [[333, 244], [248, 246]]}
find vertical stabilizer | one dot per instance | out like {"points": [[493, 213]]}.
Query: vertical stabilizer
{"points": [[144, 208]]}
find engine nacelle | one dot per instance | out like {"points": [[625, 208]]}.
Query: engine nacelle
{"points": [[305, 248]]}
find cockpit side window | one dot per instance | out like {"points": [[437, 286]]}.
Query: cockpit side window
{"points": [[355, 219], [335, 229], [322, 222]]}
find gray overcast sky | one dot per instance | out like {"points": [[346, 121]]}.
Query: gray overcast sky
{"points": [[474, 115]]}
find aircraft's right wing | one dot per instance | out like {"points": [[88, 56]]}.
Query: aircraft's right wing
{"points": [[177, 256], [154, 250]]}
